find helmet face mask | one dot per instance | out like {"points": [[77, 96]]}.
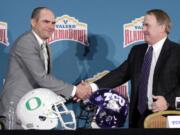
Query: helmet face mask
{"points": [[87, 112], [43, 109]]}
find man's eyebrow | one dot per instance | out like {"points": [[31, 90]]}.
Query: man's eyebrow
{"points": [[53, 22], [47, 21]]}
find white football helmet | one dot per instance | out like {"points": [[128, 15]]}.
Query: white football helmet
{"points": [[41, 109]]}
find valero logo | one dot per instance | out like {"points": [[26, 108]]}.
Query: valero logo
{"points": [[69, 28], [3, 33], [133, 32]]}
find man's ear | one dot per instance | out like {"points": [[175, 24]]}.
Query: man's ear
{"points": [[33, 22], [163, 28]]}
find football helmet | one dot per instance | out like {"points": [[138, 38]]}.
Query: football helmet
{"points": [[87, 112], [112, 109], [42, 109]]}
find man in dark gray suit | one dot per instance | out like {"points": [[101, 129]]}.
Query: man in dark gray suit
{"points": [[29, 64]]}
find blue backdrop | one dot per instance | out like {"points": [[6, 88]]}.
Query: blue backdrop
{"points": [[72, 61]]}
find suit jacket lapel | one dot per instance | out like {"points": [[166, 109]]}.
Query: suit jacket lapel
{"points": [[162, 58], [49, 57], [141, 58], [38, 47]]}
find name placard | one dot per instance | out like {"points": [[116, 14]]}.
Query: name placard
{"points": [[173, 121]]}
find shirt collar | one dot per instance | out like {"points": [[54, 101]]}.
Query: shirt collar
{"points": [[157, 46], [40, 41]]}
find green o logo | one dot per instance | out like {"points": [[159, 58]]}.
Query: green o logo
{"points": [[33, 103]]}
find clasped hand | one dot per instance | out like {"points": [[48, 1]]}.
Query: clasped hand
{"points": [[83, 91]]}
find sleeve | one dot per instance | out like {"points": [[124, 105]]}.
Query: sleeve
{"points": [[119, 75], [28, 53]]}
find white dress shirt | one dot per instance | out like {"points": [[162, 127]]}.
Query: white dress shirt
{"points": [[156, 51]]}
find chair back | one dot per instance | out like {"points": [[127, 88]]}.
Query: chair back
{"points": [[158, 119]]}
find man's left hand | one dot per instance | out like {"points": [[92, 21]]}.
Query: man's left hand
{"points": [[159, 104]]}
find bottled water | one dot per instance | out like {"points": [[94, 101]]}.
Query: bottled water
{"points": [[11, 116]]}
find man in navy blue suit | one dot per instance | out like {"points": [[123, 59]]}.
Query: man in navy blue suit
{"points": [[164, 77]]}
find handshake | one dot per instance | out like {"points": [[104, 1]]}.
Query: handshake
{"points": [[83, 91]]}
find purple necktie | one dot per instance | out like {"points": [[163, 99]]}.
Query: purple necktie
{"points": [[143, 82]]}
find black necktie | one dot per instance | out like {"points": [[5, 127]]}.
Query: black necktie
{"points": [[143, 82]]}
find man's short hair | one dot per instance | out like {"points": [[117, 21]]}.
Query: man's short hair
{"points": [[36, 12], [161, 17]]}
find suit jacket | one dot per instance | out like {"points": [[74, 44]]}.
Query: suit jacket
{"points": [[26, 72], [166, 79]]}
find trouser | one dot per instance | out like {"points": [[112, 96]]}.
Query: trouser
{"points": [[138, 119]]}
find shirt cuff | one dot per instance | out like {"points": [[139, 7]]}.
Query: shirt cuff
{"points": [[73, 91], [94, 87]]}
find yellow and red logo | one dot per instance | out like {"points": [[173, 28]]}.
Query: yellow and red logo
{"points": [[69, 28], [133, 32], [3, 33]]}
